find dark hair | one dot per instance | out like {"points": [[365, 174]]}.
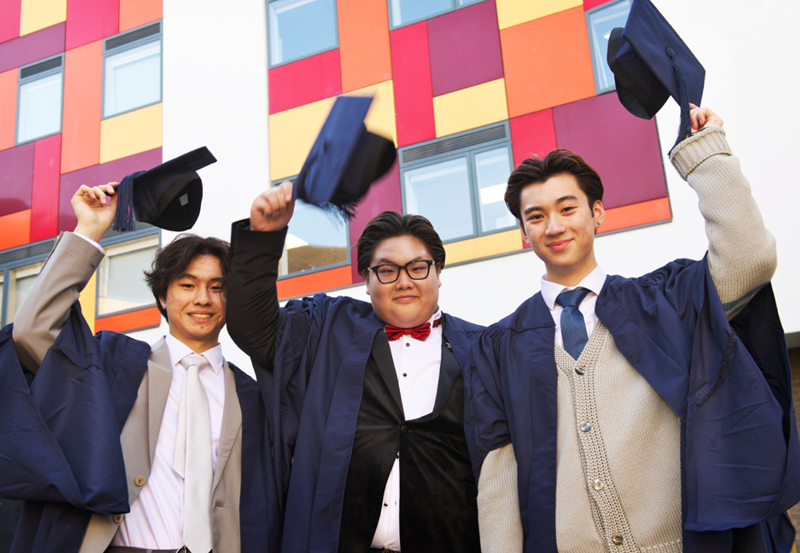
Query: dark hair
{"points": [[390, 224], [172, 261], [558, 162]]}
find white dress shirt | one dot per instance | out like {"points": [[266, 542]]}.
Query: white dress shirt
{"points": [[593, 282], [156, 517], [417, 365]]}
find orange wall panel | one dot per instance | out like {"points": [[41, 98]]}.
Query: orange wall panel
{"points": [[547, 62], [134, 13], [8, 108], [15, 230], [132, 320], [363, 43], [636, 215], [315, 282], [83, 94]]}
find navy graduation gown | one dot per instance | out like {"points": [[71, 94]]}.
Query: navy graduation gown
{"points": [[61, 451], [739, 443]]}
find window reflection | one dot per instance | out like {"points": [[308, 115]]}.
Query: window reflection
{"points": [[40, 105], [601, 22], [122, 285], [315, 240], [299, 28], [492, 170], [132, 78], [21, 281], [405, 11]]}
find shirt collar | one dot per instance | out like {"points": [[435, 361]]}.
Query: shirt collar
{"points": [[178, 350], [593, 281]]}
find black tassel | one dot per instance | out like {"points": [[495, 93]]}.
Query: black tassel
{"points": [[124, 217], [685, 130]]}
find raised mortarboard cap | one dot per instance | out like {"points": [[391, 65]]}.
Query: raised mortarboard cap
{"points": [[344, 160], [167, 196], [650, 63]]}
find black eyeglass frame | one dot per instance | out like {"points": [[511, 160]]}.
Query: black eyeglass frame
{"points": [[428, 262]]}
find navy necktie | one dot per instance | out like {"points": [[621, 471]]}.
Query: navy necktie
{"points": [[573, 327]]}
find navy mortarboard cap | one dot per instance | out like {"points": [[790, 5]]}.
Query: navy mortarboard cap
{"points": [[167, 196], [651, 63], [345, 159]]}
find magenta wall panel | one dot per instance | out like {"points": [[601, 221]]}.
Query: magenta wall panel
{"points": [[113, 171], [465, 48], [305, 81], [33, 47], [16, 178], [90, 20], [413, 94], [534, 133], [589, 4], [383, 195], [46, 173], [9, 19], [622, 148]]}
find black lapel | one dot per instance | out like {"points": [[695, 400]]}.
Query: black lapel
{"points": [[448, 373], [383, 358]]}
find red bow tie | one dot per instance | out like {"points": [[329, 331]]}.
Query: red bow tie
{"points": [[420, 332]]}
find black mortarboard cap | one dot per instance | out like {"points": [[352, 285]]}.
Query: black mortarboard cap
{"points": [[345, 159], [650, 63], [167, 196]]}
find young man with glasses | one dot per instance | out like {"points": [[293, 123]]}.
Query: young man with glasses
{"points": [[367, 397]]}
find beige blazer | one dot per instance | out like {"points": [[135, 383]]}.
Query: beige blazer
{"points": [[41, 317]]}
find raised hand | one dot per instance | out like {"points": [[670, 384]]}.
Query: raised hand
{"points": [[703, 118], [95, 208], [273, 208]]}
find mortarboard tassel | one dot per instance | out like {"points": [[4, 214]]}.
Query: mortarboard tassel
{"points": [[685, 129], [124, 216]]}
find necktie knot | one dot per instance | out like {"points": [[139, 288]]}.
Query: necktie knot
{"points": [[419, 332], [572, 298], [194, 360]]}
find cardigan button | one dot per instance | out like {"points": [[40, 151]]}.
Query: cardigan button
{"points": [[598, 484], [579, 370], [585, 427], [617, 539], [139, 481], [118, 518]]}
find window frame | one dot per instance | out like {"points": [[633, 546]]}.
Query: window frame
{"points": [[21, 81], [455, 5], [271, 65], [158, 36], [115, 240], [470, 152], [596, 65], [325, 267]]}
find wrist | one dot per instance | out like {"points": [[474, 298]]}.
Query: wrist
{"points": [[90, 231]]}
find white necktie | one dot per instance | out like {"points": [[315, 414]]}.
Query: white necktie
{"points": [[193, 457]]}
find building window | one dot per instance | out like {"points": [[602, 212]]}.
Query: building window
{"points": [[405, 12], [20, 282], [40, 95], [458, 183], [601, 21], [121, 284], [132, 70], [301, 28]]}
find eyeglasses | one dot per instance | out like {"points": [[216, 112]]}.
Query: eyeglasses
{"points": [[390, 272]]}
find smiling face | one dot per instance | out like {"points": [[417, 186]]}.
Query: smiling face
{"points": [[404, 303], [195, 304], [559, 224]]}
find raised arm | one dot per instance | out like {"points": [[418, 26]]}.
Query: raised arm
{"points": [[252, 295], [742, 253], [65, 273]]}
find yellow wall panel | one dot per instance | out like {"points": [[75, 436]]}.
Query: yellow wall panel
{"points": [[88, 301], [470, 107], [293, 132], [38, 14], [483, 246], [130, 133], [514, 12]]}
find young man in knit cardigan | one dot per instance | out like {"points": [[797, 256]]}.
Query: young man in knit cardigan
{"points": [[613, 414]]}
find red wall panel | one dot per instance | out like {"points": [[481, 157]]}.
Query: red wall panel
{"points": [[532, 134], [310, 284], [304, 81], [44, 203], [16, 178], [33, 47], [589, 4], [413, 93], [9, 19], [132, 320], [90, 20], [465, 48]]}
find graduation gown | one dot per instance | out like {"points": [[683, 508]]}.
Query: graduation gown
{"points": [[739, 443], [61, 439]]}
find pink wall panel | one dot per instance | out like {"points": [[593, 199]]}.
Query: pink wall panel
{"points": [[413, 93], [383, 195], [33, 47], [589, 4], [16, 179], [622, 148], [90, 20], [44, 203], [9, 19], [113, 171], [304, 81], [465, 48], [534, 133]]}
